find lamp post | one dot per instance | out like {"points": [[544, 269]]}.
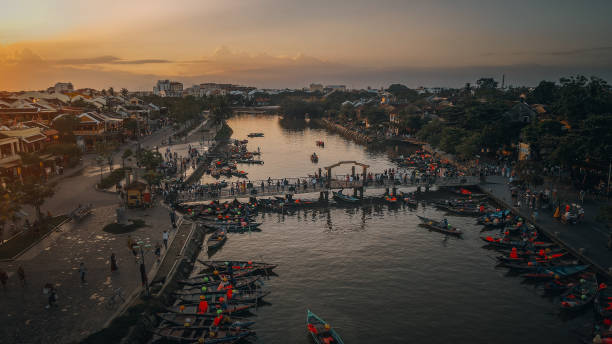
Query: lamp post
{"points": [[143, 270]]}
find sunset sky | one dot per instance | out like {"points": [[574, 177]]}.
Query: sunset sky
{"points": [[283, 43]]}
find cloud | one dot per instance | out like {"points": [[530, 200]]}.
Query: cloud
{"points": [[107, 60], [571, 52], [580, 51]]}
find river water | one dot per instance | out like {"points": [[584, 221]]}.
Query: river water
{"points": [[371, 271]]}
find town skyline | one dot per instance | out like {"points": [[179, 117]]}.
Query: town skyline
{"points": [[133, 45]]}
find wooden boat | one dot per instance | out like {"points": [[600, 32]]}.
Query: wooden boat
{"points": [[202, 336], [507, 243], [391, 200], [241, 296], [408, 199], [199, 320], [250, 161], [552, 272], [216, 239], [255, 135], [314, 158], [222, 265], [321, 144], [520, 258], [340, 197], [436, 226], [220, 288], [321, 331], [581, 294], [603, 301], [233, 227], [212, 310]]}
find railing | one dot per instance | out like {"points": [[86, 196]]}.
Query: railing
{"points": [[306, 185]]}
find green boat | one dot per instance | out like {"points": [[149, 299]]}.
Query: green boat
{"points": [[321, 331]]}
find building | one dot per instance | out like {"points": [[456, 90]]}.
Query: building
{"points": [[95, 128], [316, 87], [167, 88], [63, 87], [331, 88]]}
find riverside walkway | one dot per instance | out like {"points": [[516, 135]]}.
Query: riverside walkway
{"points": [[304, 185], [587, 239]]}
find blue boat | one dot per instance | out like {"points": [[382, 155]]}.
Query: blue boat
{"points": [[321, 331], [552, 272]]}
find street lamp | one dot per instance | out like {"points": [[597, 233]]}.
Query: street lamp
{"points": [[143, 270]]}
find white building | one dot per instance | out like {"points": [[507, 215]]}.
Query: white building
{"points": [[167, 88], [62, 87]]}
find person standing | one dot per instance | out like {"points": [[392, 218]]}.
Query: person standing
{"points": [[131, 243], [82, 272], [52, 297], [22, 276], [3, 279], [113, 262], [158, 251], [173, 218], [165, 237]]}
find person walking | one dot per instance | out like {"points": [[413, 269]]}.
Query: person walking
{"points": [[113, 262], [22, 276], [3, 279], [165, 237], [82, 272]]}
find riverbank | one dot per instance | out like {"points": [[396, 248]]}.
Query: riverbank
{"points": [[586, 240]]}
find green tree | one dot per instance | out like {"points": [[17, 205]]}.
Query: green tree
{"points": [[152, 177], [220, 109], [124, 93], [150, 160], [34, 194], [111, 91]]}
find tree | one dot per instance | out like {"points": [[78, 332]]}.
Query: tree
{"points": [[126, 154], [402, 92], [65, 125], [219, 109], [545, 93], [111, 91], [152, 177], [125, 93], [150, 159], [9, 205], [486, 83], [34, 194], [375, 114]]}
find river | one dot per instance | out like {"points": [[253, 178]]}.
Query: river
{"points": [[371, 271]]}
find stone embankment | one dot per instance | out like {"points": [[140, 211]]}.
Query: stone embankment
{"points": [[348, 133]]}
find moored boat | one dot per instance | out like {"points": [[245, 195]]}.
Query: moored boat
{"points": [[241, 296], [216, 239], [212, 310], [581, 294], [202, 336], [222, 265], [552, 272], [171, 318]]}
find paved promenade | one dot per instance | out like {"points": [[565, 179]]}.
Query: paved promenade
{"points": [[589, 236]]}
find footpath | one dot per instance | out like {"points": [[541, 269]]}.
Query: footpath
{"points": [[82, 308], [587, 239]]}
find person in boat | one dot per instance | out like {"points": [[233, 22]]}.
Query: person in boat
{"points": [[445, 223]]}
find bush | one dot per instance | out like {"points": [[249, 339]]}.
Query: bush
{"points": [[112, 179]]}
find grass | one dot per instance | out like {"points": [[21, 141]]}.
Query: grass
{"points": [[22, 241], [117, 228]]}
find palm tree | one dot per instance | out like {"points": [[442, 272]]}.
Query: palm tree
{"points": [[124, 93]]}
